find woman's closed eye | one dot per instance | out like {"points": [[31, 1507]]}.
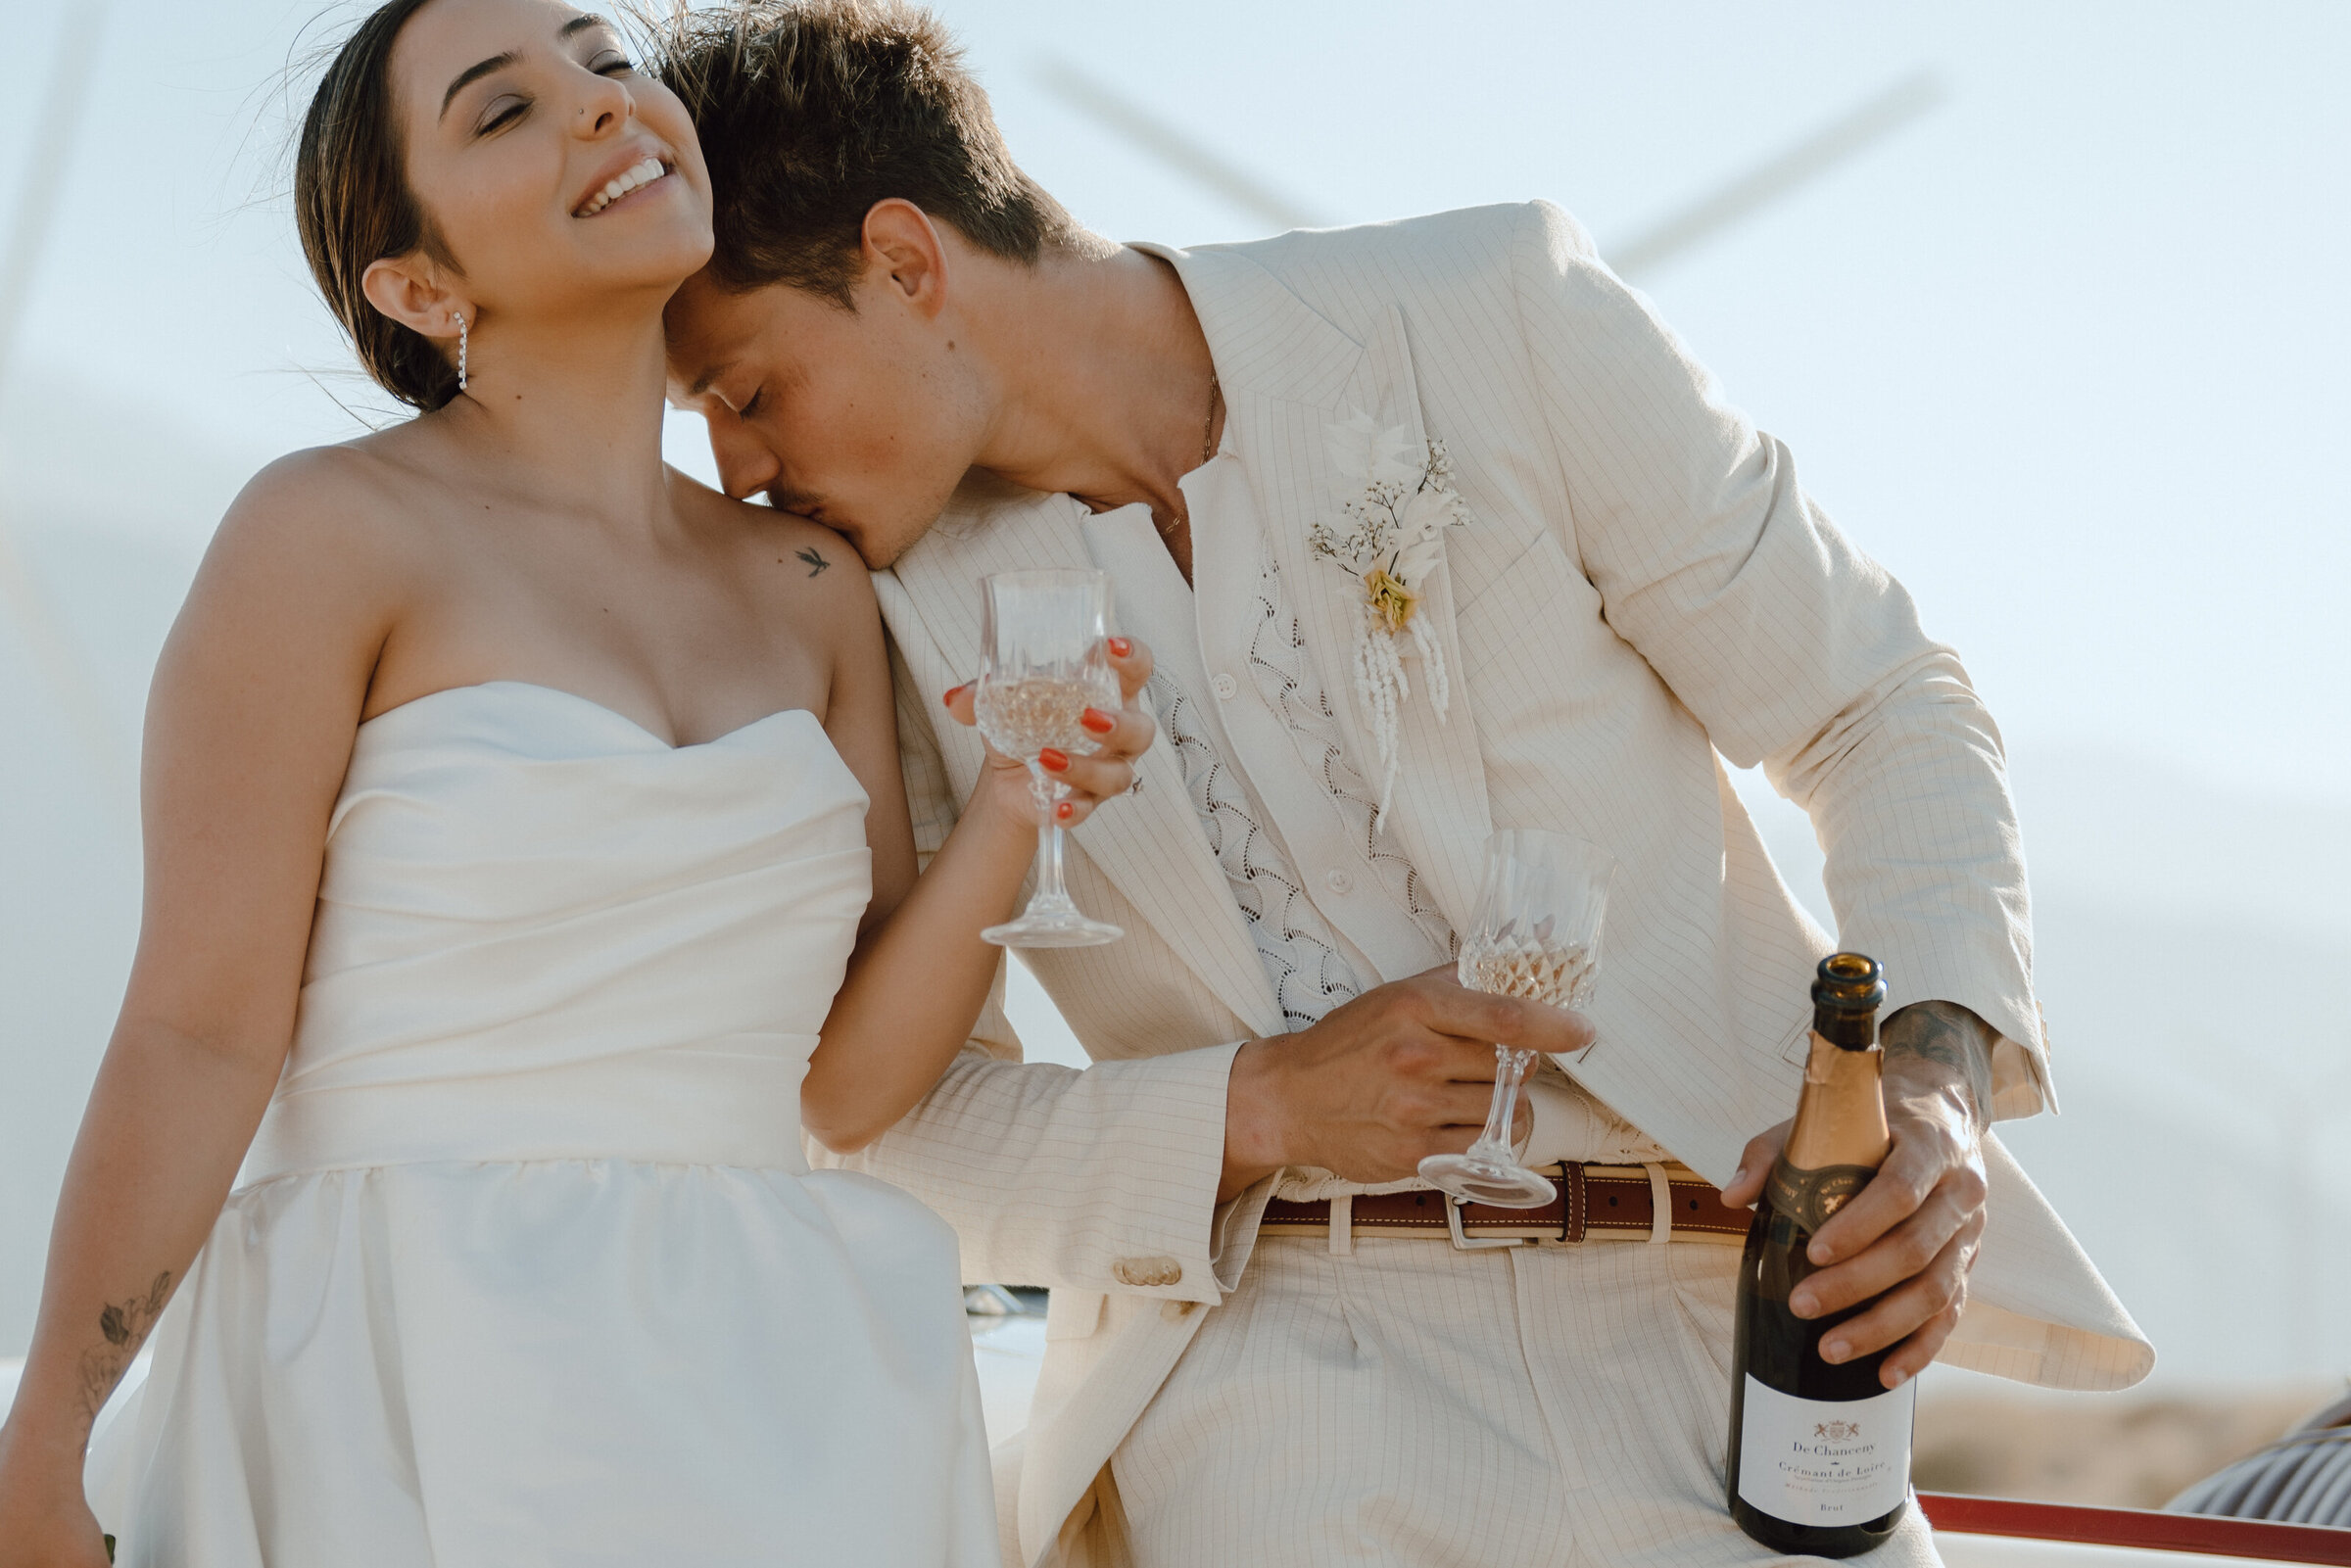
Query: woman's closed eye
{"points": [[506, 109], [500, 112]]}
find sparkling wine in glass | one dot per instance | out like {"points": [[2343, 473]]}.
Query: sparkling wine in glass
{"points": [[1047, 660], [1537, 936]]}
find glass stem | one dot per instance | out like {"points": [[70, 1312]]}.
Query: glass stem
{"points": [[1051, 892], [1510, 1072]]}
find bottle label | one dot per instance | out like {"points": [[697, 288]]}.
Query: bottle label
{"points": [[1825, 1462], [1810, 1197]]}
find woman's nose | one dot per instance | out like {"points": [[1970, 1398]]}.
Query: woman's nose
{"points": [[605, 106]]}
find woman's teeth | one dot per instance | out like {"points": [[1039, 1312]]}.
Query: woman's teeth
{"points": [[627, 180]]}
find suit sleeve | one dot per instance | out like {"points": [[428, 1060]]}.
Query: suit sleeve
{"points": [[1100, 1179], [1793, 648]]}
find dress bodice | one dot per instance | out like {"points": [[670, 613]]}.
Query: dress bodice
{"points": [[542, 930]]}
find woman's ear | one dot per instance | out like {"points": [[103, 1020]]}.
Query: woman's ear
{"points": [[409, 290]]}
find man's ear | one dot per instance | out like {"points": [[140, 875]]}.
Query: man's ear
{"points": [[409, 289], [904, 250]]}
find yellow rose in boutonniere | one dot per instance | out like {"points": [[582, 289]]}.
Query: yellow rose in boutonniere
{"points": [[1391, 599], [1399, 501]]}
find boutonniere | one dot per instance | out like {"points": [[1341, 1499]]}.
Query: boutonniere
{"points": [[1398, 500]]}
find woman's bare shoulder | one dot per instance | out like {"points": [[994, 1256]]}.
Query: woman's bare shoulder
{"points": [[347, 510], [329, 540], [792, 565]]}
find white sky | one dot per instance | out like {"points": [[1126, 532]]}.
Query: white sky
{"points": [[2067, 354]]}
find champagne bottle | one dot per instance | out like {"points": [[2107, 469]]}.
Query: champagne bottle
{"points": [[1819, 1453]]}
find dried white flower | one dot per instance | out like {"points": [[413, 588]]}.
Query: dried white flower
{"points": [[1401, 500]]}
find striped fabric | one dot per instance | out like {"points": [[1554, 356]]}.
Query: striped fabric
{"points": [[1645, 593], [1410, 1406]]}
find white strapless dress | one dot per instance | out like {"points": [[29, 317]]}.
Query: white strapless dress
{"points": [[525, 1267]]}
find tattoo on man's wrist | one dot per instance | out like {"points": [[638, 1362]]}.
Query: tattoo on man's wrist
{"points": [[125, 1325], [1946, 1033]]}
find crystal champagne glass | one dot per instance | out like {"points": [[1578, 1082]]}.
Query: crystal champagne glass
{"points": [[1536, 935], [1045, 660]]}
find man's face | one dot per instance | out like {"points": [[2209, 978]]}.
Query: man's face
{"points": [[864, 420]]}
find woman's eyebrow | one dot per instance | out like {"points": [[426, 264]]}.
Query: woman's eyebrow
{"points": [[475, 72]]}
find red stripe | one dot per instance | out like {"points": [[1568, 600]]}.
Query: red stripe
{"points": [[2137, 1527]]}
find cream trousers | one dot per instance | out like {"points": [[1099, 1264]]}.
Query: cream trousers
{"points": [[1411, 1405]]}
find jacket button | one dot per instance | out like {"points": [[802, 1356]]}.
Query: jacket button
{"points": [[1146, 1274], [1226, 688]]}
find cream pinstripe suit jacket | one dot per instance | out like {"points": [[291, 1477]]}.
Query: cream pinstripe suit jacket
{"points": [[1644, 587]]}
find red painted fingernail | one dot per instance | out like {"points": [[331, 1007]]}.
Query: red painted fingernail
{"points": [[952, 692], [1054, 761], [1119, 647], [1065, 811], [1097, 720]]}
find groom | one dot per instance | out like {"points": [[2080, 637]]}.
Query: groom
{"points": [[1264, 1346]]}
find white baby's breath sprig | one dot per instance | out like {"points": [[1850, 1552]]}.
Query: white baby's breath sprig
{"points": [[1399, 501]]}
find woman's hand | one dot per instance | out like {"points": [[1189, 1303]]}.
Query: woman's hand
{"points": [[1119, 739], [44, 1523]]}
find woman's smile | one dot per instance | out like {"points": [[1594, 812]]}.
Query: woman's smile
{"points": [[640, 174]]}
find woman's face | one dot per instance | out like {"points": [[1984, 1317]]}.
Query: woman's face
{"points": [[555, 173]]}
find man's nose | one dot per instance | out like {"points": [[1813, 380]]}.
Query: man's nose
{"points": [[745, 466]]}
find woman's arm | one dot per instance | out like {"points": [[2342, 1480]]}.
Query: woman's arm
{"points": [[921, 972], [249, 729]]}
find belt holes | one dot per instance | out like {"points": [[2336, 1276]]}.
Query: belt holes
{"points": [[1611, 1203]]}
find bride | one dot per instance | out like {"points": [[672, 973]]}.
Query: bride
{"points": [[509, 806]]}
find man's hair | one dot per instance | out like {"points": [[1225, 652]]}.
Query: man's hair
{"points": [[812, 111]]}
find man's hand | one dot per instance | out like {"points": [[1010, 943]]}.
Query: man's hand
{"points": [[1398, 1074], [1909, 1237]]}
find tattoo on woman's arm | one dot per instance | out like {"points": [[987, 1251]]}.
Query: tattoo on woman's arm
{"points": [[1948, 1034], [124, 1324]]}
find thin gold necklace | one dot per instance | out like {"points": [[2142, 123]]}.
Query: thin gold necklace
{"points": [[1208, 446]]}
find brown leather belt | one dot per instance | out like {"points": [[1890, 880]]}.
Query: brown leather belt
{"points": [[1594, 1202]]}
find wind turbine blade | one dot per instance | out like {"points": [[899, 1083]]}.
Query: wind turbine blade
{"points": [[1171, 146], [53, 651], [1873, 122], [54, 127]]}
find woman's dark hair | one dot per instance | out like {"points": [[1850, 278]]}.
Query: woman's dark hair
{"points": [[354, 207]]}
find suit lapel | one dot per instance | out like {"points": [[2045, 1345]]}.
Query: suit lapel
{"points": [[1288, 376], [1149, 844]]}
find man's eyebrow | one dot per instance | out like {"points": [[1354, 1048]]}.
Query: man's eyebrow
{"points": [[579, 24], [702, 383], [474, 74]]}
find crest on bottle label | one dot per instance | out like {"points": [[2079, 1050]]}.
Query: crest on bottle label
{"points": [[1810, 1197]]}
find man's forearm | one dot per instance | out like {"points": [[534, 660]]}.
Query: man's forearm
{"points": [[1941, 1046]]}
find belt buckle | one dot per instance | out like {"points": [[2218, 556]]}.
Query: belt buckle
{"points": [[1465, 1243]]}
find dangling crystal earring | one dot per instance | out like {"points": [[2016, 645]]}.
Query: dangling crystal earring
{"points": [[461, 315]]}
